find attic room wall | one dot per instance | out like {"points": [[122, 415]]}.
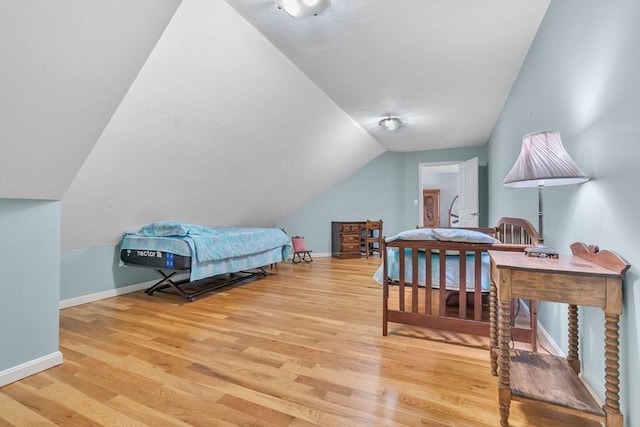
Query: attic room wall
{"points": [[582, 77], [65, 67], [30, 272], [378, 190], [372, 192], [219, 128], [383, 189]]}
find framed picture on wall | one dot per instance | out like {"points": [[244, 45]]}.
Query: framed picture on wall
{"points": [[431, 207]]}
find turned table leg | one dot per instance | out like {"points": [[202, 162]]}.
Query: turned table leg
{"points": [[533, 323], [612, 371], [504, 386], [572, 357], [493, 331]]}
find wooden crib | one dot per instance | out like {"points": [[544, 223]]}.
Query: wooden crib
{"points": [[432, 301]]}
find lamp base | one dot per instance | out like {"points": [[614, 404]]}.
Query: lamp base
{"points": [[541, 251]]}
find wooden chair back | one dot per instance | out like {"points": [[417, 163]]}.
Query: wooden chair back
{"points": [[372, 239]]}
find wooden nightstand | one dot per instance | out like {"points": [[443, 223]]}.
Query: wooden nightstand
{"points": [[345, 238], [587, 278]]}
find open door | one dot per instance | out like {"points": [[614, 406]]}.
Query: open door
{"points": [[468, 209]]}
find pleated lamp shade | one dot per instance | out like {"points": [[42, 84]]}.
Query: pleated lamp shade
{"points": [[543, 161]]}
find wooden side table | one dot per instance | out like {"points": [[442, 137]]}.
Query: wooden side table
{"points": [[345, 238], [587, 277]]}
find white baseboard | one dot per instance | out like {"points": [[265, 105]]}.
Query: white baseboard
{"points": [[548, 343], [29, 368], [321, 254], [544, 339], [84, 299], [315, 255], [105, 294]]}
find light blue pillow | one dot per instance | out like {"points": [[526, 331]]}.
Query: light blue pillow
{"points": [[463, 235], [416, 234], [170, 228]]}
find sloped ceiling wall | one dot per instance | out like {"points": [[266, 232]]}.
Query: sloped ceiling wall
{"points": [[219, 128], [64, 68]]}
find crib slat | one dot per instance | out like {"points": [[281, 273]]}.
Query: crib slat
{"points": [[385, 288], [442, 304], [462, 285], [414, 277], [428, 282], [401, 280], [477, 297]]}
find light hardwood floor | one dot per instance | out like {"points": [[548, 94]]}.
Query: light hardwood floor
{"points": [[301, 347]]}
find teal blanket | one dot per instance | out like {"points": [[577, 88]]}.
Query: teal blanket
{"points": [[452, 269], [217, 243]]}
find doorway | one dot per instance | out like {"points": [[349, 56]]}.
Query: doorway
{"points": [[457, 185]]}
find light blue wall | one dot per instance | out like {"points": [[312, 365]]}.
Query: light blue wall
{"points": [[30, 280], [582, 77], [384, 189], [372, 192], [88, 271]]}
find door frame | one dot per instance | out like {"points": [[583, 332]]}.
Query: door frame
{"points": [[469, 191], [445, 167], [427, 168]]}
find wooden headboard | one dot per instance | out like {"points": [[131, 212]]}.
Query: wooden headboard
{"points": [[516, 231]]}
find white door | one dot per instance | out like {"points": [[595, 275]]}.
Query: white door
{"points": [[468, 209]]}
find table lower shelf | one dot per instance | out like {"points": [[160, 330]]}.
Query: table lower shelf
{"points": [[550, 380]]}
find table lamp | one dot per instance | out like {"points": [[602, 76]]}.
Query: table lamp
{"points": [[542, 162]]}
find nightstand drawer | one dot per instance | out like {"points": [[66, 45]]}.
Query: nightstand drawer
{"points": [[350, 228], [351, 247], [350, 239]]}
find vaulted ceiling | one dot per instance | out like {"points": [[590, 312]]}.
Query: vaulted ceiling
{"points": [[218, 128], [444, 68], [65, 66], [204, 110]]}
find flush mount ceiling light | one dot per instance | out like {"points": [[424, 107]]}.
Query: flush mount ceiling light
{"points": [[390, 123], [303, 8]]}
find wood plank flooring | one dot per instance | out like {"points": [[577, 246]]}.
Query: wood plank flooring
{"points": [[302, 347]]}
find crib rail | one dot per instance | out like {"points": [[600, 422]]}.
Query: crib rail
{"points": [[416, 300]]}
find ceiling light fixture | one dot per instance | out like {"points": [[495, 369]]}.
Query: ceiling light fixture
{"points": [[303, 8], [390, 123]]}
